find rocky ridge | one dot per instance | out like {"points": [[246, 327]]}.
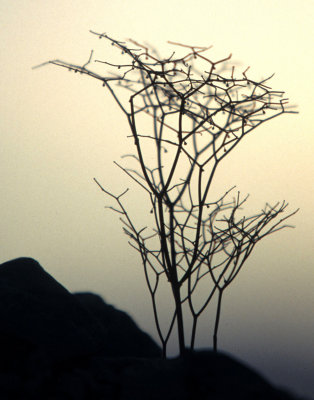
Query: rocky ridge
{"points": [[57, 345]]}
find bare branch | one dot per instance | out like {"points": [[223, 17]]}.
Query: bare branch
{"points": [[196, 119]]}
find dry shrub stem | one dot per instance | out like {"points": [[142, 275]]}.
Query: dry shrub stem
{"points": [[196, 120]]}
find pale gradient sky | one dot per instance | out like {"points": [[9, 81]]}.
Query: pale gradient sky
{"points": [[59, 130]]}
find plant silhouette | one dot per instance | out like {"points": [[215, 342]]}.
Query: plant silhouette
{"points": [[183, 123]]}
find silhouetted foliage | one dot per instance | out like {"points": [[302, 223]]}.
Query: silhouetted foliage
{"points": [[196, 119]]}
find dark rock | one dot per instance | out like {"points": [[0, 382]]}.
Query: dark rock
{"points": [[55, 345], [37, 309], [202, 375], [122, 337]]}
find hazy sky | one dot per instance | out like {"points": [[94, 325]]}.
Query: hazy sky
{"points": [[59, 130]]}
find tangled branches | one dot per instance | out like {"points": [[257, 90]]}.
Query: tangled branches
{"points": [[183, 123]]}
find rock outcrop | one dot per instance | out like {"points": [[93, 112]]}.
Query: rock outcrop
{"points": [[121, 336], [57, 345], [37, 309]]}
